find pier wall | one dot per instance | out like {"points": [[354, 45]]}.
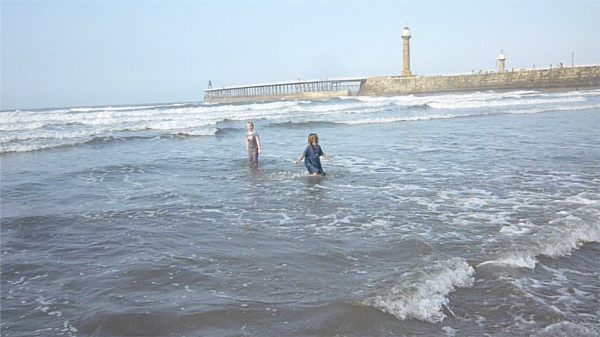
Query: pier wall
{"points": [[281, 97], [562, 77]]}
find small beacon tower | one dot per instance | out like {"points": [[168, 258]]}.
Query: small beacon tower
{"points": [[406, 52], [501, 61]]}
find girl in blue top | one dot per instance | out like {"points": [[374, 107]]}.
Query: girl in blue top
{"points": [[312, 156]]}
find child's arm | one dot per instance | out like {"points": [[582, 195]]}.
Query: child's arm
{"points": [[246, 141], [299, 159], [258, 143], [328, 158]]}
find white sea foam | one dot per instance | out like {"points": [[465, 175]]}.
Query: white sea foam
{"points": [[430, 116], [559, 237], [517, 229], [29, 131], [38, 129], [584, 198], [36, 147], [196, 132], [422, 294], [382, 120], [123, 108], [450, 332], [478, 99], [377, 223], [466, 104], [567, 328], [554, 108], [524, 261]]}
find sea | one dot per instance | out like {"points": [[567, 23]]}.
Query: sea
{"points": [[457, 214]]}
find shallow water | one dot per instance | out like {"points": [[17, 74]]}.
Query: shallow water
{"points": [[455, 215]]}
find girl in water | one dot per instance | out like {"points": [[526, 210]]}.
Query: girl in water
{"points": [[252, 143], [312, 156]]}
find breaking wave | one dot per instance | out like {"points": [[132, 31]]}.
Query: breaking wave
{"points": [[560, 237], [30, 130], [424, 293]]}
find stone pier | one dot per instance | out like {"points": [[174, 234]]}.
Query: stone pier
{"points": [[561, 77]]}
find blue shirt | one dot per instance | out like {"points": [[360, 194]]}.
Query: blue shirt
{"points": [[312, 159]]}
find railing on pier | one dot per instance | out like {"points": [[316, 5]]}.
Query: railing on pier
{"points": [[352, 85]]}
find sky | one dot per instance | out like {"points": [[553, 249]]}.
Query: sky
{"points": [[87, 53]]}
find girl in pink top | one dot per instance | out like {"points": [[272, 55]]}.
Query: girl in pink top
{"points": [[252, 143]]}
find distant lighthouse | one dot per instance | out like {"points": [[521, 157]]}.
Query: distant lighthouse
{"points": [[501, 61], [406, 52]]}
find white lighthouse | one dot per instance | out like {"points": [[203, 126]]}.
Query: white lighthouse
{"points": [[501, 61], [406, 52]]}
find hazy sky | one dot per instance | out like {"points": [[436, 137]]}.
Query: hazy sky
{"points": [[79, 53]]}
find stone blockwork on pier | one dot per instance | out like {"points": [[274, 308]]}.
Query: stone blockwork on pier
{"points": [[562, 77]]}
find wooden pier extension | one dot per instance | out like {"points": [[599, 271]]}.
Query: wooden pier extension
{"points": [[310, 89]]}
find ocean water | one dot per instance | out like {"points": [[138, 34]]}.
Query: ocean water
{"points": [[474, 214]]}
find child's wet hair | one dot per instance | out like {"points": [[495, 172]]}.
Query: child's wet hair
{"points": [[313, 136], [250, 123]]}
